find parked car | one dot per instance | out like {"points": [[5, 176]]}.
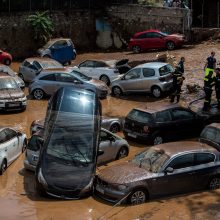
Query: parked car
{"points": [[163, 123], [7, 70], [162, 170], [106, 71], [67, 161], [12, 144], [31, 67], [5, 58], [49, 81], [114, 125], [155, 39], [211, 135], [60, 49], [154, 77], [113, 147], [11, 95]]}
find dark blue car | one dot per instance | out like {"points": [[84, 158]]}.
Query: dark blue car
{"points": [[61, 49]]}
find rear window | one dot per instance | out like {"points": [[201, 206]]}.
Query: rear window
{"points": [[211, 134], [140, 116], [164, 70]]}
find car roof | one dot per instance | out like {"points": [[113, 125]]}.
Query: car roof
{"points": [[216, 125], [54, 70], [39, 59], [173, 148], [56, 39], [155, 65], [158, 108]]}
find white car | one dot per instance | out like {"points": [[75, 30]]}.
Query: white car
{"points": [[12, 144], [98, 69]]}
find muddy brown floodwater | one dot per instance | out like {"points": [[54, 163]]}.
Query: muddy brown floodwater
{"points": [[19, 199]]}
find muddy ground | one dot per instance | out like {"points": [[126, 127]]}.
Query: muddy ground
{"points": [[19, 199]]}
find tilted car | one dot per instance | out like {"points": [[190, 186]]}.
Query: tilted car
{"points": [[112, 124], [113, 147], [31, 67], [160, 124], [7, 70], [49, 81], [5, 58], [12, 144], [153, 77], [155, 39], [11, 95], [106, 71], [60, 49], [162, 170]]}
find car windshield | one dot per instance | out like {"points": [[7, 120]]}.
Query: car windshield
{"points": [[81, 76], [8, 70], [48, 44], [8, 83], [164, 70], [211, 133], [164, 34], [50, 64], [140, 116], [151, 160]]}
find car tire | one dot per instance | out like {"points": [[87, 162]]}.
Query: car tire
{"points": [[38, 94], [40, 190], [3, 167], [24, 147], [214, 183], [123, 152], [156, 91], [137, 196], [136, 49], [114, 128], [170, 45], [105, 79], [157, 139], [7, 62], [116, 91]]}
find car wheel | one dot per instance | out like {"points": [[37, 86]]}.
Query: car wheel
{"points": [[123, 152], [3, 167], [138, 196], [170, 45], [116, 91], [38, 94], [214, 183], [21, 76], [156, 91], [24, 147], [7, 62], [136, 49], [105, 79], [157, 140], [114, 128]]}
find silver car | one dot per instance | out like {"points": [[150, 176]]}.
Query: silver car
{"points": [[7, 70], [31, 67], [113, 147], [49, 81], [154, 77], [12, 144]]}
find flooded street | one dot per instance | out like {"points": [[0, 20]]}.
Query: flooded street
{"points": [[19, 199]]}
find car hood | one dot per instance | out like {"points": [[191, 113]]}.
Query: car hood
{"points": [[11, 94], [124, 173], [179, 36], [98, 83], [118, 78]]}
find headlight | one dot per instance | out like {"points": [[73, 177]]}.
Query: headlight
{"points": [[41, 178], [122, 187]]}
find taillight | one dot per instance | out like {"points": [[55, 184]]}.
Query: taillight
{"points": [[162, 79], [145, 129]]}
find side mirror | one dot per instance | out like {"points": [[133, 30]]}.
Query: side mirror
{"points": [[100, 152], [169, 170]]}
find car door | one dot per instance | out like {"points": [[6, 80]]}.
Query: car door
{"points": [[186, 122], [157, 40], [149, 41], [107, 144], [181, 180], [88, 68], [149, 79], [132, 81], [49, 83], [4, 148]]}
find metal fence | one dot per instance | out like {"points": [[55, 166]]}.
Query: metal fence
{"points": [[34, 5]]}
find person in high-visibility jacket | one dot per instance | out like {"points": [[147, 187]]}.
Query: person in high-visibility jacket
{"points": [[177, 84], [210, 63], [209, 82]]}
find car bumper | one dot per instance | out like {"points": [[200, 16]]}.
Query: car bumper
{"points": [[29, 166], [13, 105], [166, 86], [137, 136]]}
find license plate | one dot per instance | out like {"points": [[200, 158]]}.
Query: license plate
{"points": [[132, 135], [99, 189], [14, 105]]}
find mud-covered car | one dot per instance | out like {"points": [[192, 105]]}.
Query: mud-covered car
{"points": [[11, 95], [162, 170]]}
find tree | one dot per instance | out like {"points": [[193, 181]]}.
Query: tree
{"points": [[42, 25]]}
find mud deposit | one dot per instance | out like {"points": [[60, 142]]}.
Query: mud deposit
{"points": [[19, 199]]}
